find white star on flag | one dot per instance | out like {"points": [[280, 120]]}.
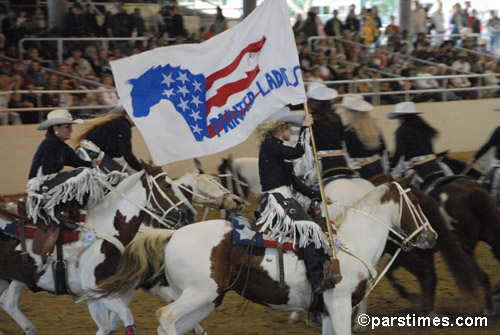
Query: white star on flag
{"points": [[168, 93], [183, 90], [182, 77], [196, 101], [197, 86], [195, 115], [196, 129], [167, 80], [183, 104]]}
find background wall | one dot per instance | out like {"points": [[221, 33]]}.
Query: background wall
{"points": [[463, 125]]}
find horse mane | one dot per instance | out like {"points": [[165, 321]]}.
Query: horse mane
{"points": [[365, 204]]}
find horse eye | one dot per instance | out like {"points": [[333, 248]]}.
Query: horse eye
{"points": [[168, 186]]}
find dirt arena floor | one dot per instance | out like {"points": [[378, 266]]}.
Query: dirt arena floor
{"points": [[55, 315]]}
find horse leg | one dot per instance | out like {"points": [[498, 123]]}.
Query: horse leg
{"points": [[9, 301], [114, 317], [340, 311], [185, 313], [116, 305], [100, 315], [294, 317], [484, 280], [357, 327]]}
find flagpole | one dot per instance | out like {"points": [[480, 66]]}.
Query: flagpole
{"points": [[321, 189]]}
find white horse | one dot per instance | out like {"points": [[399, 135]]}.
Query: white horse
{"points": [[240, 175], [202, 263], [110, 225]]}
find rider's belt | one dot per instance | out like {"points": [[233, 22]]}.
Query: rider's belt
{"points": [[422, 159], [360, 162], [330, 153]]}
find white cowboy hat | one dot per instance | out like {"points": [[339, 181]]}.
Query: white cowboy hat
{"points": [[286, 115], [57, 117], [403, 109], [355, 102], [319, 91]]}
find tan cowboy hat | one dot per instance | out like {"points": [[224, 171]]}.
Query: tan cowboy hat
{"points": [[57, 117], [403, 109], [286, 115], [355, 102], [319, 91]]}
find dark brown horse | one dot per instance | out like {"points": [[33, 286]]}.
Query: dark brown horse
{"points": [[462, 213]]}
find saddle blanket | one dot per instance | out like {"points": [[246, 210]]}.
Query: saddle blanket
{"points": [[243, 233], [328, 180], [12, 229]]}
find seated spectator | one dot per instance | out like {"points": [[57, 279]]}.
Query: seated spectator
{"points": [[38, 74], [462, 82], [362, 72], [108, 98], [427, 83], [492, 80], [20, 70], [76, 57], [461, 64], [316, 75], [19, 100], [7, 117]]}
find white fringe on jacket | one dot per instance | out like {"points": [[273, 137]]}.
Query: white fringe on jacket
{"points": [[75, 188]]}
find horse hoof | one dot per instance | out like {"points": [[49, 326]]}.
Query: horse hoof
{"points": [[358, 328], [489, 312]]}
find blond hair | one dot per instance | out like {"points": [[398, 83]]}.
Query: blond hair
{"points": [[94, 123], [269, 129], [367, 129]]}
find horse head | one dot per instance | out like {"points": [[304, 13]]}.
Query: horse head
{"points": [[415, 228], [168, 204], [208, 190]]}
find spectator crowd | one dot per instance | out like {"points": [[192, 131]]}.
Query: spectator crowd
{"points": [[355, 48]]}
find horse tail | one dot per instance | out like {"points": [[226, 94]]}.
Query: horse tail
{"points": [[141, 262], [459, 263], [487, 215]]}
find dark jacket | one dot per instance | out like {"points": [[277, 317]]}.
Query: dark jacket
{"points": [[275, 172], [356, 149], [115, 139], [494, 141], [53, 155]]}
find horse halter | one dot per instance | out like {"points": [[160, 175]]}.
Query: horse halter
{"points": [[164, 219], [421, 221]]}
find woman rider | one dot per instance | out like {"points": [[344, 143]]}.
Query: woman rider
{"points": [[282, 214], [363, 138]]}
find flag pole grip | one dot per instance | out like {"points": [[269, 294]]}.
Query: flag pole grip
{"points": [[321, 187]]}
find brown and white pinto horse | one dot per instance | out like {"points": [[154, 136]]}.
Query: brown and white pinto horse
{"points": [[110, 225], [202, 263]]}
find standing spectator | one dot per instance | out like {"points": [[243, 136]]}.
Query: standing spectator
{"points": [[368, 30], [139, 22], [220, 21], [467, 13], [92, 26], [352, 22], [177, 27], [377, 23], [76, 57], [458, 20], [297, 26], [418, 20], [392, 29], [334, 26], [494, 32], [9, 28], [438, 23], [122, 25], [74, 22], [310, 27], [475, 23]]}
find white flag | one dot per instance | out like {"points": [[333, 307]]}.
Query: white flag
{"points": [[198, 99]]}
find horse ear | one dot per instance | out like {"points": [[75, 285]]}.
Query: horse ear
{"points": [[405, 183], [149, 168], [230, 157], [389, 177], [197, 165], [443, 153]]}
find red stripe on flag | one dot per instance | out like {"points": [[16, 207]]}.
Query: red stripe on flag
{"points": [[253, 47], [229, 89]]}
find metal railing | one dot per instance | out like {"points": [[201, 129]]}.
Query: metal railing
{"points": [[60, 41]]}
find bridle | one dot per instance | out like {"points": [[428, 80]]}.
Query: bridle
{"points": [[162, 215], [217, 201]]}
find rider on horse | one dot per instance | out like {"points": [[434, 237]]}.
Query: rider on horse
{"points": [[282, 214], [414, 147], [492, 178], [363, 138], [53, 154], [112, 135], [328, 130]]}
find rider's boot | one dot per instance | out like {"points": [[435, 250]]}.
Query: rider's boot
{"points": [[314, 260]]}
